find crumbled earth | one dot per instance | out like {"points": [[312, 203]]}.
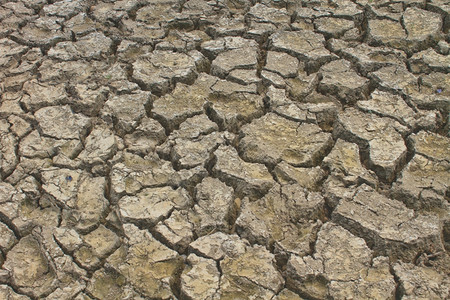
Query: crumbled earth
{"points": [[229, 149]]}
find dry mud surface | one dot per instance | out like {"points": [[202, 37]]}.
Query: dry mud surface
{"points": [[229, 149]]}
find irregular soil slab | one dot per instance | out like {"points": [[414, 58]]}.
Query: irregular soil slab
{"points": [[160, 70], [35, 145], [344, 162], [333, 27], [225, 62], [286, 294], [218, 245], [152, 205], [341, 81], [200, 279], [100, 146], [126, 111], [41, 95], [388, 226], [61, 123], [428, 61], [389, 105], [82, 195], [190, 153], [378, 137], [30, 269], [184, 102], [421, 282], [272, 139], [176, 231], [90, 99], [247, 179], [309, 178], [21, 214], [107, 284], [215, 206], [252, 272], [140, 173], [369, 59], [8, 239], [44, 31], [92, 46], [8, 144], [6, 292], [386, 32], [146, 137], [282, 63], [231, 107], [98, 245], [423, 27], [434, 92], [395, 79], [342, 267], [431, 145], [147, 264], [77, 72], [260, 13], [307, 46], [192, 129], [424, 182], [213, 47], [279, 219]]}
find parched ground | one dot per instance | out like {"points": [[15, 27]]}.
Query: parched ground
{"points": [[228, 149]]}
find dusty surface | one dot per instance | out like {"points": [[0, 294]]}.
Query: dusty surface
{"points": [[229, 149]]}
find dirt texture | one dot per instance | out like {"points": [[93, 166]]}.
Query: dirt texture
{"points": [[227, 149]]}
